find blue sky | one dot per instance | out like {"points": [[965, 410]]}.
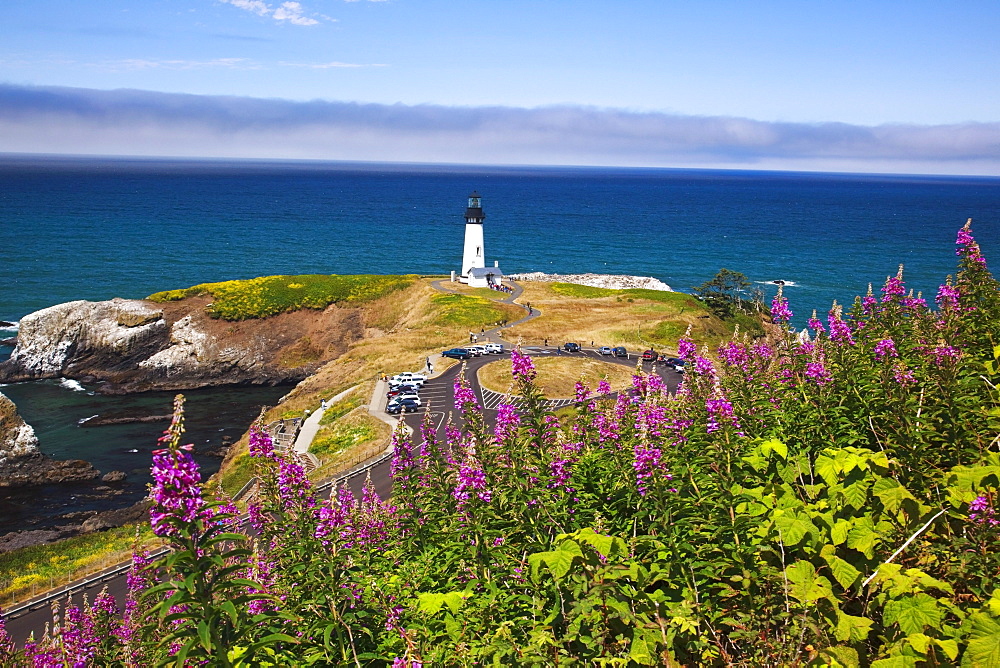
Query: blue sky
{"points": [[845, 86]]}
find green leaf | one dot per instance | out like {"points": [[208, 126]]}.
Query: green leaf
{"points": [[431, 602], [845, 657], [640, 652], [793, 526], [851, 628], [838, 532], [559, 561], [608, 546], [776, 446], [892, 494], [919, 642], [828, 469], [949, 646], [205, 636], [843, 572], [862, 537], [856, 494], [895, 662], [984, 641], [807, 586], [913, 613]]}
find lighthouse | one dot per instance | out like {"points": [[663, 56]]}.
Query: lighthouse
{"points": [[474, 256]]}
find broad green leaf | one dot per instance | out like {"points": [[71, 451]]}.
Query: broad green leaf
{"points": [[793, 526], [862, 537], [851, 628], [841, 657], [913, 613], [559, 561], [856, 494], [608, 546], [843, 572], [838, 532], [895, 662], [639, 651], [807, 586], [919, 642], [995, 603], [774, 445], [984, 641], [892, 494], [828, 469], [949, 646], [431, 602]]}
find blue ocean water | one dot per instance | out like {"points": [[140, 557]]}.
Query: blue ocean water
{"points": [[86, 228], [95, 229]]}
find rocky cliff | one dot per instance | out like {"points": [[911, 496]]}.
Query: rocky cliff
{"points": [[122, 346], [20, 461], [610, 281]]}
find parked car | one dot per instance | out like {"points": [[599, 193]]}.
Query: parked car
{"points": [[649, 355], [457, 353], [408, 378], [605, 350], [412, 396], [402, 389], [571, 347], [402, 406], [477, 350], [494, 348], [619, 352], [679, 365]]}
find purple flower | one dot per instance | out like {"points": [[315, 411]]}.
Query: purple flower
{"points": [[947, 296], [893, 286], [779, 308], [885, 348], [981, 512], [261, 444], [471, 482], [465, 398], [719, 411], [508, 422], [521, 365], [970, 248], [817, 372], [704, 367], [646, 463], [840, 331], [685, 347], [176, 491], [603, 388], [734, 354]]}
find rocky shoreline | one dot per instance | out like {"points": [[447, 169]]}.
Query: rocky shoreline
{"points": [[609, 281]]}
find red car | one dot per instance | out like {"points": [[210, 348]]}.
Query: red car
{"points": [[649, 356]]}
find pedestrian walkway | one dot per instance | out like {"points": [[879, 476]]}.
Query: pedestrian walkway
{"points": [[494, 334], [310, 426], [493, 399]]}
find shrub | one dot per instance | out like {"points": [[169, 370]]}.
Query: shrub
{"points": [[271, 295]]}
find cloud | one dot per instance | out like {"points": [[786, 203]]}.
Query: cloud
{"points": [[130, 122], [177, 64], [332, 65], [286, 11]]}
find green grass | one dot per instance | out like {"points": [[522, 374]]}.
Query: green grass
{"points": [[467, 311], [677, 299], [341, 436], [237, 473], [271, 295], [38, 568], [341, 408]]}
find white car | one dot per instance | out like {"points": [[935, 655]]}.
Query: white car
{"points": [[477, 351], [494, 348], [400, 397], [408, 378]]}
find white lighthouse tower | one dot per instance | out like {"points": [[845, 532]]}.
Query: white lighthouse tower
{"points": [[474, 256]]}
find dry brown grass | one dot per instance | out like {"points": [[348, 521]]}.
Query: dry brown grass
{"points": [[557, 376], [617, 320]]}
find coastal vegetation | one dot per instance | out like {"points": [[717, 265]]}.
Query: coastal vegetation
{"points": [[270, 295], [820, 500]]}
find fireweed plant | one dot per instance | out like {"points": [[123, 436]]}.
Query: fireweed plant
{"points": [[825, 498]]}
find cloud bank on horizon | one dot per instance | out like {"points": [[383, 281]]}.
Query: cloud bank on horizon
{"points": [[63, 120]]}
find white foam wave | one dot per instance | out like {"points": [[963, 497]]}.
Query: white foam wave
{"points": [[787, 284], [86, 419], [12, 327], [71, 384]]}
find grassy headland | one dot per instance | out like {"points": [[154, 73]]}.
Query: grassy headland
{"points": [[557, 377]]}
